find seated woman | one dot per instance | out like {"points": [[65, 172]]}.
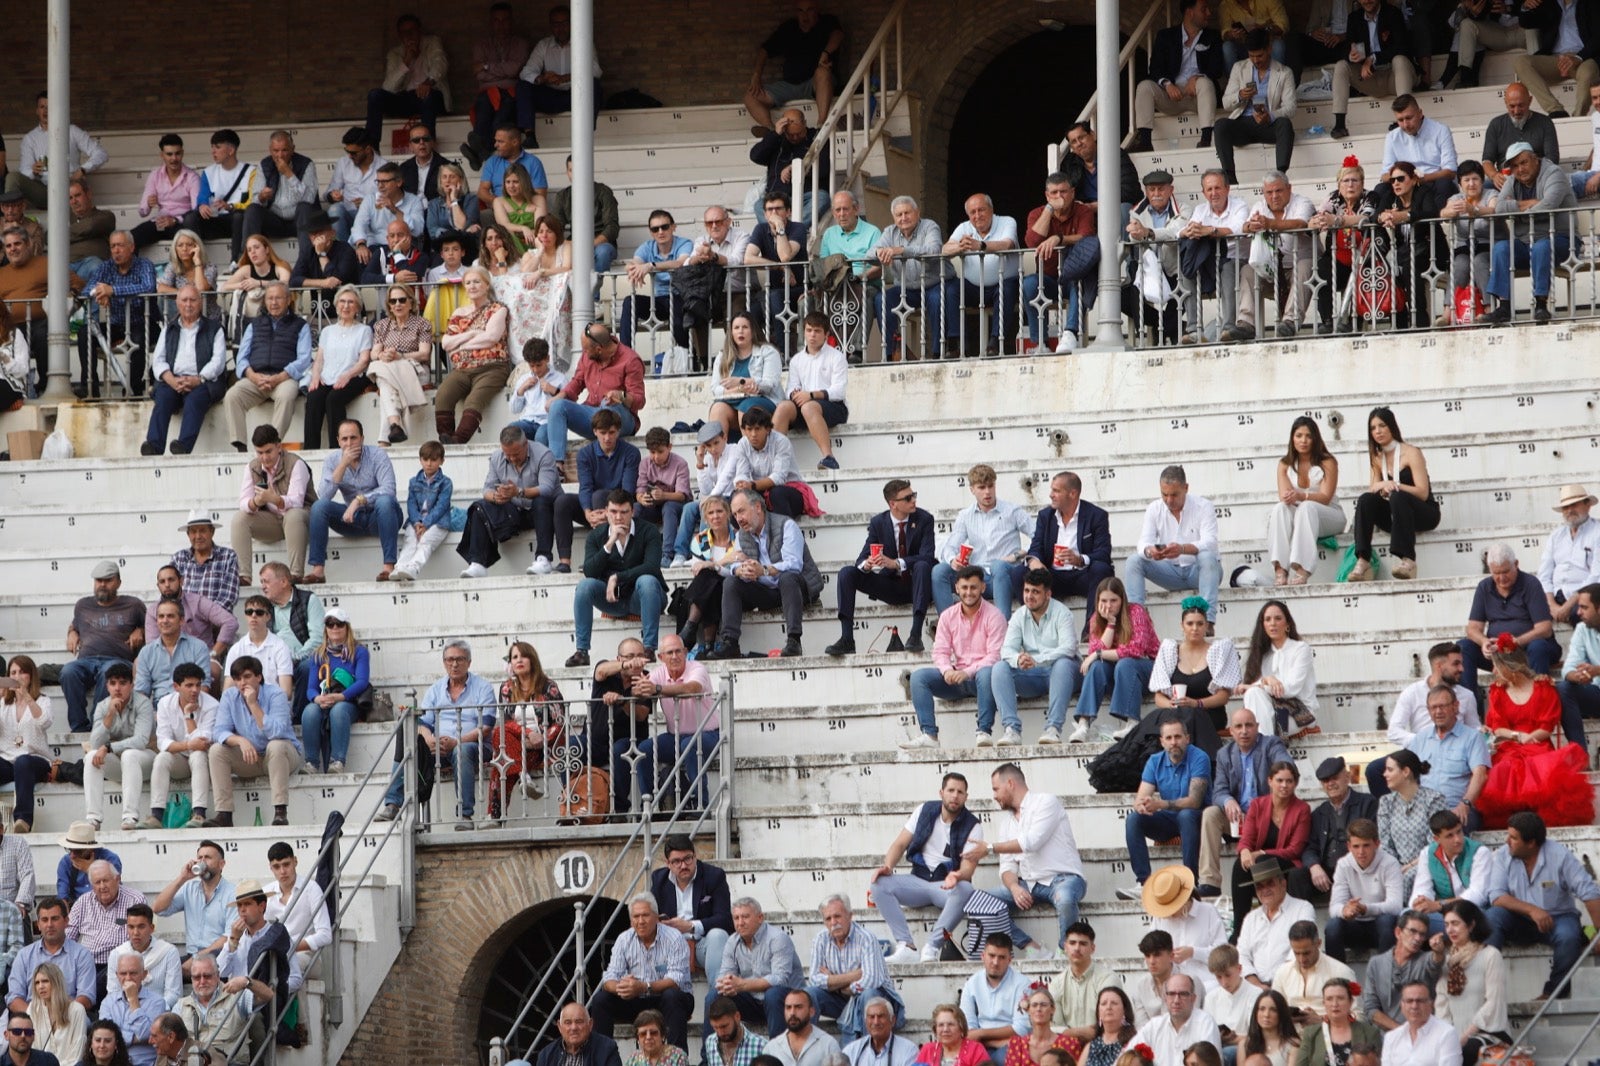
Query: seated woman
{"points": [[539, 301], [1341, 217], [25, 753], [1272, 1039], [1329, 1044], [187, 265], [1196, 672], [517, 209], [1280, 679], [713, 548], [402, 355], [260, 266], [455, 209], [1404, 810], [749, 374], [338, 691], [497, 252], [1308, 507], [950, 1046], [1399, 499], [530, 724], [1403, 205], [1527, 771], [1473, 211], [16, 365], [1471, 994], [649, 1031], [1028, 1049], [1113, 1029], [475, 343], [339, 369], [1277, 824], [1122, 650]]}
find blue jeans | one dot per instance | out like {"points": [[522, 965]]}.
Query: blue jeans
{"points": [[688, 526], [925, 299], [1002, 579], [168, 401], [669, 754], [465, 760], [1125, 681], [646, 601], [849, 1010], [382, 519], [1056, 681], [1204, 575], [1064, 892], [81, 679], [669, 515], [1566, 937], [86, 267], [1164, 825], [570, 416], [337, 718], [1506, 256], [928, 684], [1077, 271], [763, 1007]]}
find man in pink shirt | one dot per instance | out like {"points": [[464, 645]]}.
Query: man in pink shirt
{"points": [[610, 375], [967, 645], [171, 191], [683, 689]]}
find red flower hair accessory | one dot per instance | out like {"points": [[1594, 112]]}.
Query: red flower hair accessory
{"points": [[1505, 642], [1144, 1052], [1350, 161], [1355, 990]]}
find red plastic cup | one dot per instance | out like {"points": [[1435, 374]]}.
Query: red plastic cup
{"points": [[1061, 555], [875, 550], [964, 556]]}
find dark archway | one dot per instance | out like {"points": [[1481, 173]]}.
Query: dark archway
{"points": [[1024, 99], [532, 947]]}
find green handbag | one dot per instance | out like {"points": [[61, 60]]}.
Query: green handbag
{"points": [[180, 808]]}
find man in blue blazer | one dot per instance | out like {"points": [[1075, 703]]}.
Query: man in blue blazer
{"points": [[895, 566], [1078, 559], [693, 899]]}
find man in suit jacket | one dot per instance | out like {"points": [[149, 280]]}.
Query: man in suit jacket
{"points": [[1376, 61], [325, 262], [1557, 60], [1240, 776], [1260, 101], [777, 571], [693, 898], [621, 576], [1329, 822], [1185, 66], [579, 1040], [895, 566], [1081, 559], [420, 173]]}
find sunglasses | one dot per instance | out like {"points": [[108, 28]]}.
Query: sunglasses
{"points": [[14, 1031], [661, 228], [1399, 179], [421, 140], [254, 611], [909, 497], [393, 300], [334, 622]]}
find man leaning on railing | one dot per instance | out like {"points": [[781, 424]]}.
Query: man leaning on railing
{"points": [[457, 710], [115, 291]]}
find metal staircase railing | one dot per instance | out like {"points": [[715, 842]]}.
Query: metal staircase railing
{"points": [[1521, 1040]]}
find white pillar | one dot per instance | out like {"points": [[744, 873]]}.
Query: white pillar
{"points": [[583, 109], [1108, 216], [58, 385]]}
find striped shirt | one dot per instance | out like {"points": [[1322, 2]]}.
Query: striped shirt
{"points": [[771, 957], [750, 1045], [18, 880], [98, 927], [667, 958], [860, 950], [217, 579]]}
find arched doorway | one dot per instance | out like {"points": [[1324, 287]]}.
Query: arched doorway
{"points": [[1026, 97], [532, 949]]}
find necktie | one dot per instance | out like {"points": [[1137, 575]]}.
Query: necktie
{"points": [[900, 540]]}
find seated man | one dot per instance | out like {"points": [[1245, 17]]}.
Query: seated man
{"points": [[520, 491], [233, 961], [1367, 895], [803, 1042], [288, 193], [983, 283], [1039, 861], [648, 970], [662, 488], [808, 43], [1076, 989], [401, 260], [1177, 546], [420, 174], [1062, 235], [1457, 757], [268, 649], [1519, 123], [1264, 933], [1209, 262], [1172, 792], [1571, 556], [610, 375], [133, 1008], [1039, 658], [1260, 99], [356, 497], [1507, 601], [777, 571], [89, 229], [188, 364], [253, 735], [1242, 770], [214, 1016], [1301, 978], [326, 262], [847, 970], [1453, 866], [607, 228], [895, 566], [1186, 65], [849, 308], [1156, 222], [1275, 219], [13, 212], [1425, 143], [991, 996], [693, 899], [1148, 990], [75, 961], [227, 188], [118, 747], [172, 647], [116, 326], [764, 462], [987, 535], [416, 80], [1538, 188], [545, 82], [185, 720], [205, 566], [1531, 892], [1566, 35], [1410, 714], [1082, 142], [496, 59], [1375, 61], [163, 973], [1170, 1036], [816, 389], [606, 464], [508, 149], [458, 709], [913, 278], [171, 191], [1410, 961], [204, 619], [777, 240], [375, 218], [354, 180], [106, 628], [85, 155], [1580, 698], [1497, 28], [275, 497], [936, 839], [275, 351], [759, 967], [1071, 541], [966, 646], [23, 286], [654, 262], [297, 900], [621, 576], [296, 619]]}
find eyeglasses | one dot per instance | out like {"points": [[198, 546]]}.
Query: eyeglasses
{"points": [[254, 611], [456, 659], [395, 300], [661, 228], [716, 221], [909, 497], [388, 181], [15, 1031], [332, 623], [421, 140]]}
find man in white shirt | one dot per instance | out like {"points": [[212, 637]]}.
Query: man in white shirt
{"points": [[880, 1046], [1367, 894], [1039, 863], [985, 280], [1232, 1003], [990, 533], [184, 718], [1177, 546], [163, 972], [187, 363], [1571, 556], [1208, 260], [722, 244], [1149, 990], [545, 83], [259, 642], [354, 180], [416, 80], [85, 155], [1264, 934], [816, 393], [1423, 1040], [1300, 980], [227, 187], [1410, 714], [802, 1043], [1183, 1026], [1274, 221], [297, 901], [1425, 143], [388, 204]]}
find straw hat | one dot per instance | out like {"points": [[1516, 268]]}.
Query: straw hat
{"points": [[1167, 890]]}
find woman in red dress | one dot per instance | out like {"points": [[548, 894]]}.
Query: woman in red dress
{"points": [[1528, 772]]}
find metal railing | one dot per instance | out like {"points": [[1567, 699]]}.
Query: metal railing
{"points": [[1521, 1040]]}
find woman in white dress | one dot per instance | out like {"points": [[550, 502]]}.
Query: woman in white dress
{"points": [[538, 297], [1307, 509], [1280, 680]]}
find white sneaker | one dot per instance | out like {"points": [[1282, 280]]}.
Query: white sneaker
{"points": [[1051, 735], [541, 565], [904, 955], [680, 560], [921, 740], [1125, 730], [1080, 732], [933, 950], [1131, 892], [400, 573], [983, 740], [1010, 736], [475, 570], [1066, 342]]}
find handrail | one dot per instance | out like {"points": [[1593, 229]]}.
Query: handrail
{"points": [[1141, 37], [1520, 1040], [858, 90]]}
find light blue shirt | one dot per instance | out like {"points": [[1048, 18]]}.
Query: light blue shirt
{"points": [[372, 228], [990, 267], [495, 167], [357, 184], [152, 670], [1569, 42], [1432, 149], [1571, 558], [1557, 876], [135, 1024], [203, 920], [234, 719], [1001, 532], [448, 716], [1584, 648], [1046, 639], [650, 252], [1171, 779], [791, 561], [372, 476], [994, 1007], [1452, 758]]}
